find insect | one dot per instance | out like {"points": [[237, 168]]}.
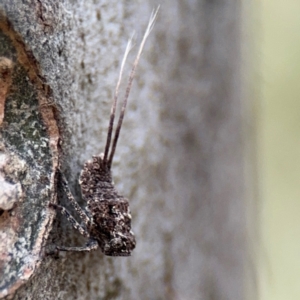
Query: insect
{"points": [[107, 219]]}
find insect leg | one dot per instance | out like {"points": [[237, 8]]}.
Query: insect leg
{"points": [[82, 214], [71, 219], [90, 245]]}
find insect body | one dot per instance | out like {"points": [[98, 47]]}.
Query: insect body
{"points": [[107, 219]]}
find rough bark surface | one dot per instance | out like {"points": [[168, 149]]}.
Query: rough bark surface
{"points": [[179, 159]]}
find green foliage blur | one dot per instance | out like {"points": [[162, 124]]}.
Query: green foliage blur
{"points": [[278, 132]]}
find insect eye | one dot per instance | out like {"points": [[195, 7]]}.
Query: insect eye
{"points": [[111, 209]]}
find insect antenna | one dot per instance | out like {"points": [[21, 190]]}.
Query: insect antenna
{"points": [[130, 80], [114, 105]]}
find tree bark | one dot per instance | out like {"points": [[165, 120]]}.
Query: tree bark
{"points": [[179, 159]]}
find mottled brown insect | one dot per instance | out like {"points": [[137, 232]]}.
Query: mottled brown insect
{"points": [[107, 219]]}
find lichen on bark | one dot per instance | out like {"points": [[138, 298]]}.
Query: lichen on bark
{"points": [[29, 164]]}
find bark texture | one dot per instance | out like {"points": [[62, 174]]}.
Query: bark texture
{"points": [[179, 159]]}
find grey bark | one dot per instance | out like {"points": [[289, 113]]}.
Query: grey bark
{"points": [[179, 159]]}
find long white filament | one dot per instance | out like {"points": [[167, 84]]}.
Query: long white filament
{"points": [[113, 108], [129, 84]]}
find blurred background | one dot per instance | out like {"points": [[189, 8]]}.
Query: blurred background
{"points": [[278, 128]]}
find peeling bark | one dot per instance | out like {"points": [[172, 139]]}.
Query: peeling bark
{"points": [[179, 159], [29, 140], [6, 66]]}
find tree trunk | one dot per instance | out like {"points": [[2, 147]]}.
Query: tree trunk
{"points": [[179, 160]]}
